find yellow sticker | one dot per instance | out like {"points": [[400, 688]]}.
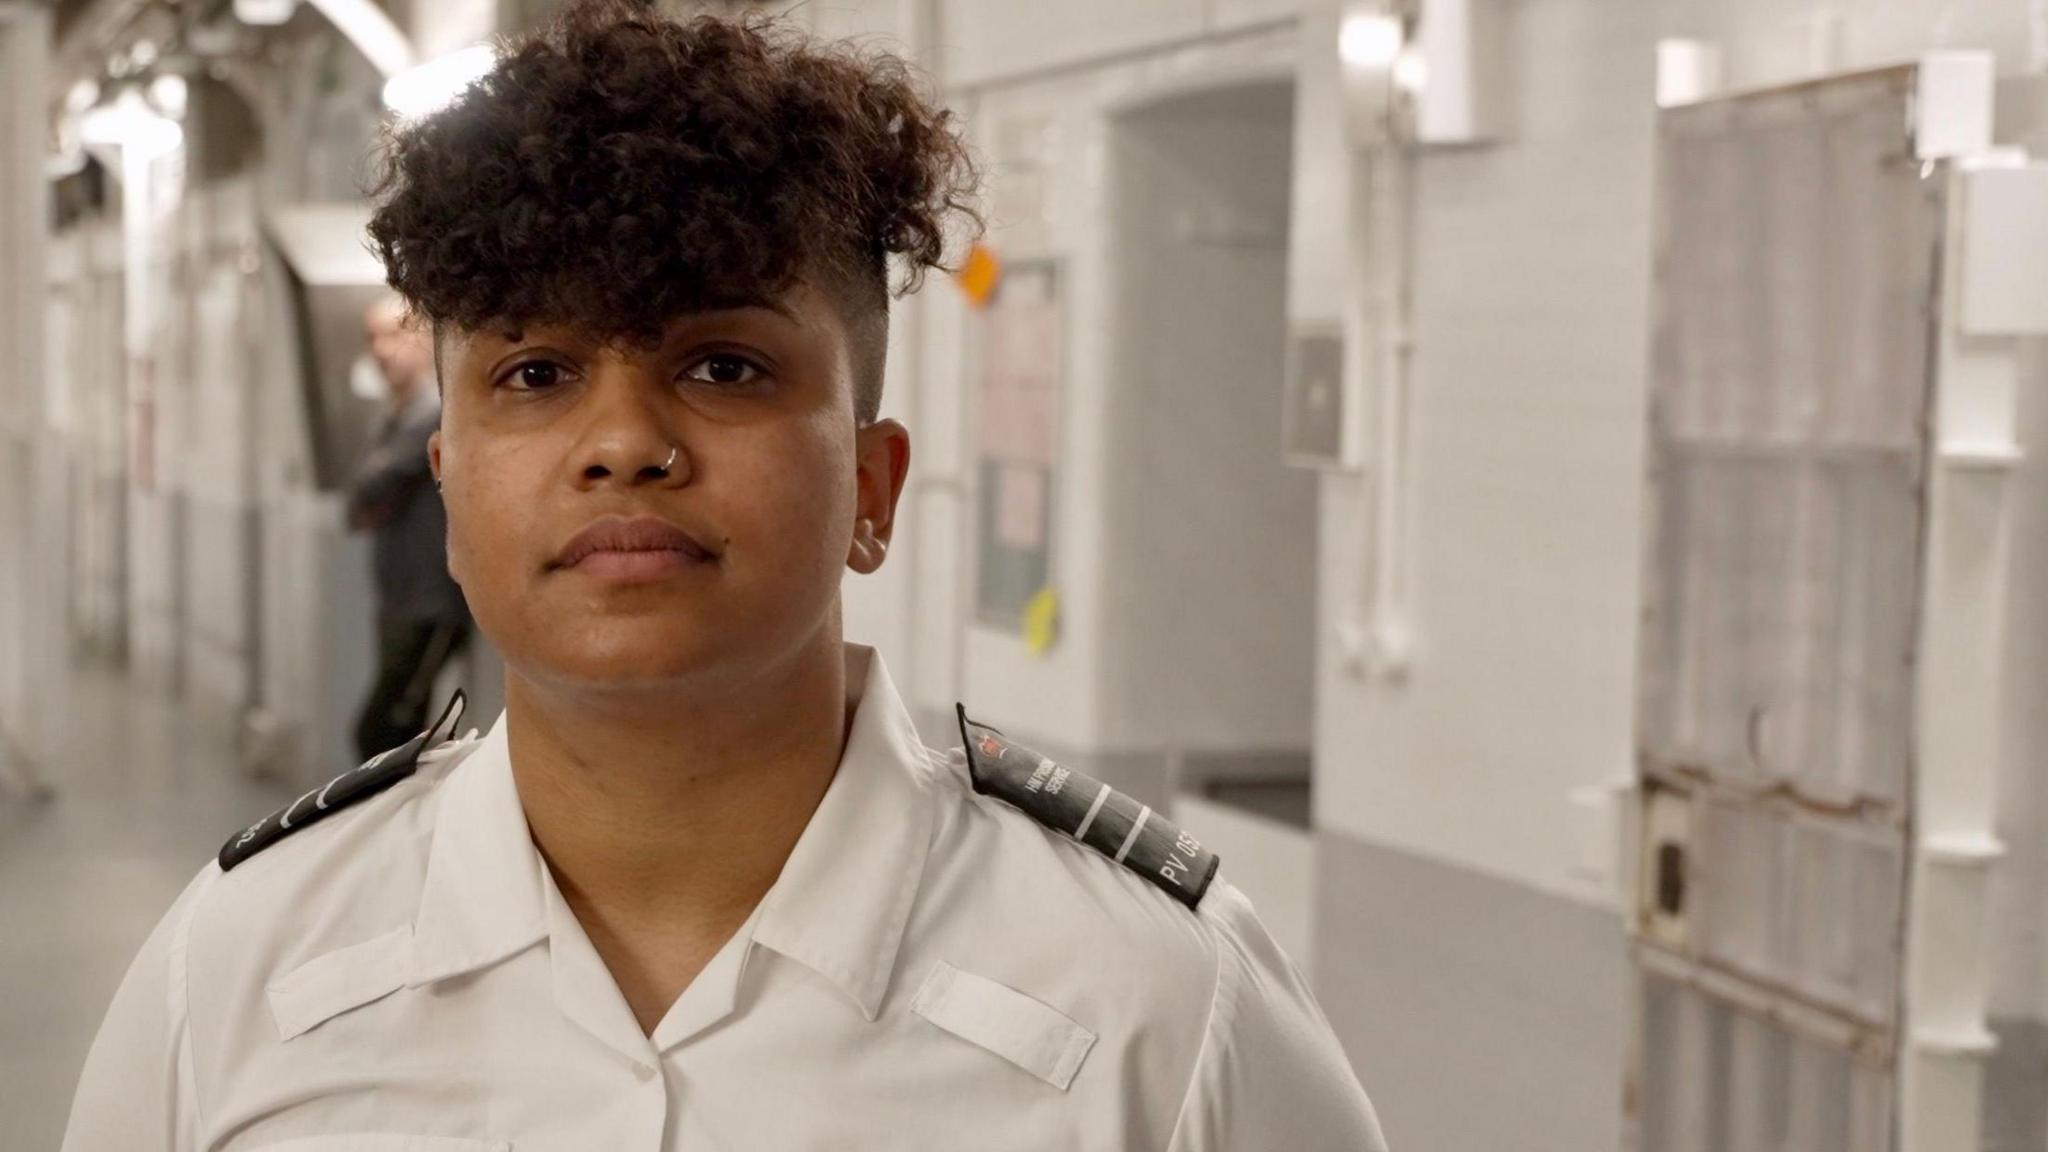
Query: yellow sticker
{"points": [[1042, 621], [979, 275]]}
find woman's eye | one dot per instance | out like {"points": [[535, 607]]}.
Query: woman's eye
{"points": [[724, 370], [536, 375]]}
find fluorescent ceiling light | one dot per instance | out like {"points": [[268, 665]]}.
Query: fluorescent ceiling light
{"points": [[130, 123], [169, 93], [435, 85]]}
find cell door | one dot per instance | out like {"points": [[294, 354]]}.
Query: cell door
{"points": [[1797, 266]]}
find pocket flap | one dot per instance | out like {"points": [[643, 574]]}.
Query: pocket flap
{"points": [[1031, 1034], [338, 982]]}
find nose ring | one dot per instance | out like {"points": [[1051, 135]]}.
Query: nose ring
{"points": [[670, 462]]}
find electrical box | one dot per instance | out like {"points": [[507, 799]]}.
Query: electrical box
{"points": [[1450, 71], [1316, 421]]}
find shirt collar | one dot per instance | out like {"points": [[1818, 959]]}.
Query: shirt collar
{"points": [[482, 898], [844, 897], [839, 906]]}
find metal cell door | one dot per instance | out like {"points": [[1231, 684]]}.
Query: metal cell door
{"points": [[1797, 271]]}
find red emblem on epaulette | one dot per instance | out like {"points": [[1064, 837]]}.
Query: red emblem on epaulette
{"points": [[990, 746]]}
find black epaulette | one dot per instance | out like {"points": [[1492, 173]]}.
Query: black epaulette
{"points": [[380, 772], [1101, 817]]}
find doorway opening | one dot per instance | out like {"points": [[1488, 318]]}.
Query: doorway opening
{"points": [[1211, 536]]}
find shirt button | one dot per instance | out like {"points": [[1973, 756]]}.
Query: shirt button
{"points": [[643, 1072]]}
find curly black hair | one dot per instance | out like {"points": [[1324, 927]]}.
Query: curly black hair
{"points": [[623, 168]]}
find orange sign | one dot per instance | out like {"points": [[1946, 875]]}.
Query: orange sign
{"points": [[979, 275]]}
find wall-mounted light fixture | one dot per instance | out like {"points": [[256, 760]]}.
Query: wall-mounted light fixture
{"points": [[1370, 39]]}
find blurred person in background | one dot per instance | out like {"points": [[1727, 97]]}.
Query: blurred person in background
{"points": [[421, 619]]}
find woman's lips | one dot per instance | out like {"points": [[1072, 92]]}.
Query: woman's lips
{"points": [[640, 548], [633, 567]]}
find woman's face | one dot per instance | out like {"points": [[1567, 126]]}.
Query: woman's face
{"points": [[632, 518]]}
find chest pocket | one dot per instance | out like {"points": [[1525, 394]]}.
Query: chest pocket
{"points": [[1033, 1035], [386, 1142]]}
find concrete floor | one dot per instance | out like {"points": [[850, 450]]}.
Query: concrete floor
{"points": [[144, 795]]}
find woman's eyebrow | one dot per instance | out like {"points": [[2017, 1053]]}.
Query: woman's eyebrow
{"points": [[744, 301]]}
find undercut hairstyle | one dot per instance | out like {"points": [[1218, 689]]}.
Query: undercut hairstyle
{"points": [[623, 168]]}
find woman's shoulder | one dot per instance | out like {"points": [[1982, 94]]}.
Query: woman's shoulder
{"points": [[1095, 875], [343, 861]]}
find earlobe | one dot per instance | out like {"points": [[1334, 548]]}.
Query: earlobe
{"points": [[868, 550], [434, 455]]}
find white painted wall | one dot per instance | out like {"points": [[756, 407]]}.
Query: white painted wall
{"points": [[1531, 325], [992, 40]]}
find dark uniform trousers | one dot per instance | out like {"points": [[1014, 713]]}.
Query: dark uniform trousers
{"points": [[410, 654]]}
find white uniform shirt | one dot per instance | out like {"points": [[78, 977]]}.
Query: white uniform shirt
{"points": [[932, 970]]}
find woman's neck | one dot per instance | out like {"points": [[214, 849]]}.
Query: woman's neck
{"points": [[665, 821]]}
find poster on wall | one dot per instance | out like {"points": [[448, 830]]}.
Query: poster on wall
{"points": [[1017, 440]]}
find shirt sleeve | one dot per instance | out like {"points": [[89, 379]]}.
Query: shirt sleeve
{"points": [[136, 1093], [1271, 1073]]}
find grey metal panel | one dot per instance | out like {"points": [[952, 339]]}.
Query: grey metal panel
{"points": [[1479, 1013], [2015, 1107]]}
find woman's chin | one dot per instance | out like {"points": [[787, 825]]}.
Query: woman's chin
{"points": [[646, 659]]}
